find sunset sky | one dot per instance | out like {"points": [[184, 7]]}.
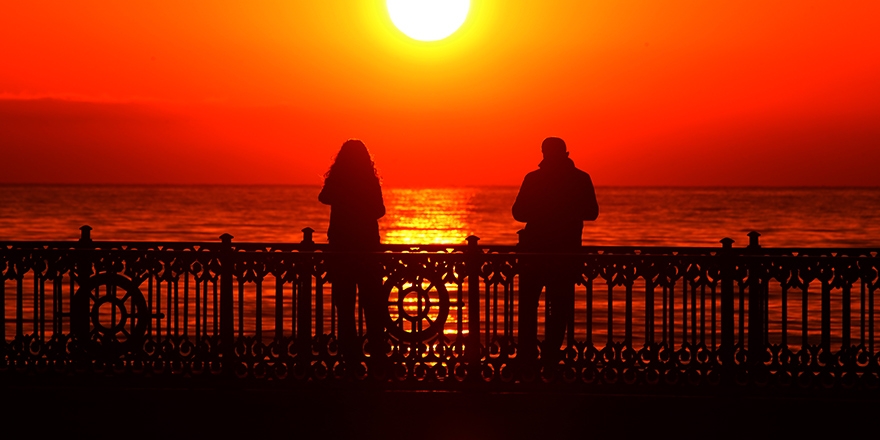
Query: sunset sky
{"points": [[667, 92]]}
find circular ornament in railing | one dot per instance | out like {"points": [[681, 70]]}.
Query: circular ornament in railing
{"points": [[417, 306], [117, 310]]}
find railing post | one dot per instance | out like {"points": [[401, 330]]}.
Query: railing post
{"points": [[227, 320], [85, 234], [473, 304], [79, 307], [727, 269], [753, 240], [307, 236], [304, 299], [756, 303]]}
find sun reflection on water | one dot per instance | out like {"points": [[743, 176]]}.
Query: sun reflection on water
{"points": [[427, 216]]}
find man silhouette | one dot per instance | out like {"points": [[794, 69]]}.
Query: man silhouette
{"points": [[553, 201]]}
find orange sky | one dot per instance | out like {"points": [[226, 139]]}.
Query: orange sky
{"points": [[645, 93]]}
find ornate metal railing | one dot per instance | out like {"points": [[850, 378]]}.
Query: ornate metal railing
{"points": [[651, 316]]}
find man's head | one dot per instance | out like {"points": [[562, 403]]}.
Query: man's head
{"points": [[553, 148]]}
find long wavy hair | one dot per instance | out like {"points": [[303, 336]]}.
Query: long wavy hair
{"points": [[353, 162]]}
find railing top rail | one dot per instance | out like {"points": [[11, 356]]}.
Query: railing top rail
{"points": [[753, 249], [434, 248]]}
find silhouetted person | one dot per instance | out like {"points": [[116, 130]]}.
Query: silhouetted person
{"points": [[351, 188], [553, 201]]}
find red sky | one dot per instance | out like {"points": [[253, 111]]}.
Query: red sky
{"points": [[645, 93]]}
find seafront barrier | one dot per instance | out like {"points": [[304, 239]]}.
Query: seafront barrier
{"points": [[645, 317]]}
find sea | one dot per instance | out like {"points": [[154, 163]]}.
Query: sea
{"points": [[629, 216]]}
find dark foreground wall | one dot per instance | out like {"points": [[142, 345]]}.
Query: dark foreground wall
{"points": [[102, 410]]}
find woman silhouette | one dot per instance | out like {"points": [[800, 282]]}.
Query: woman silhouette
{"points": [[351, 188]]}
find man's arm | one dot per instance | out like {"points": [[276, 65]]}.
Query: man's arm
{"points": [[522, 206], [589, 202]]}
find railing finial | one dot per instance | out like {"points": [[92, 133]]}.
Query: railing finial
{"points": [[727, 242], [85, 233], [473, 240], [226, 238], [307, 235], [753, 239]]}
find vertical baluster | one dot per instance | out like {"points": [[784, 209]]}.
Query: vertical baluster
{"points": [[111, 292], [176, 301], [649, 310], [785, 315], [19, 305], [71, 290], [488, 308], [506, 310], [494, 310], [694, 311], [185, 301], [684, 309], [628, 315], [511, 315], [294, 300], [42, 289], [846, 314], [713, 298], [756, 306], [197, 317], [460, 308], [319, 311], [241, 307], [150, 304], [2, 308], [360, 315], [665, 313], [258, 331], [826, 314], [589, 312], [57, 291], [862, 311], [169, 309], [702, 313], [742, 314], [215, 319], [159, 309], [279, 306], [671, 314], [765, 309], [205, 283], [610, 312], [805, 341], [35, 308], [569, 337], [871, 319]]}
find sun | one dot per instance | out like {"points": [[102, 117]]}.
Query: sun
{"points": [[428, 20]]}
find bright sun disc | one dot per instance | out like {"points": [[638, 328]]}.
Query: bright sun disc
{"points": [[428, 20]]}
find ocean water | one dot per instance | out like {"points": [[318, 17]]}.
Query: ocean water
{"points": [[786, 217]]}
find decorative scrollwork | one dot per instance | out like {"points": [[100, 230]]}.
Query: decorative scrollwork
{"points": [[113, 317], [418, 305]]}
